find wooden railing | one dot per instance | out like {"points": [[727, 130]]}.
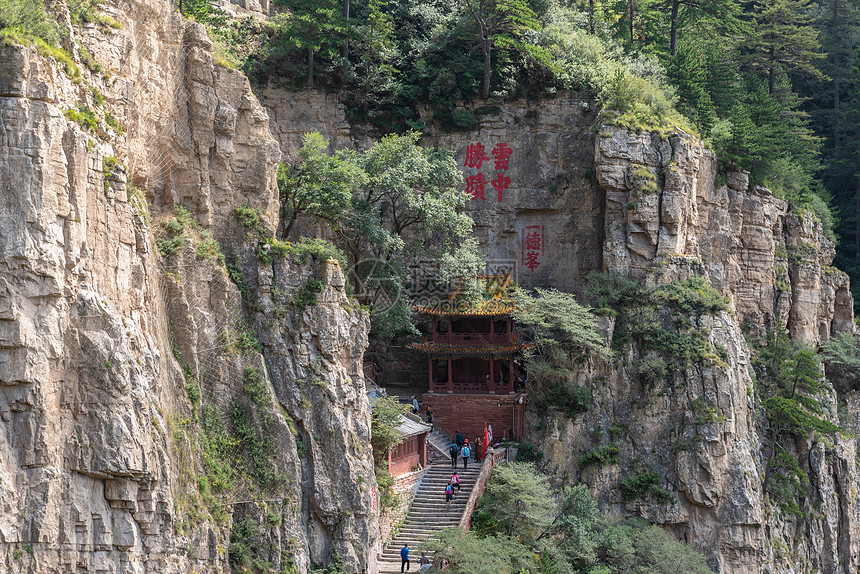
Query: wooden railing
{"points": [[474, 338], [493, 456]]}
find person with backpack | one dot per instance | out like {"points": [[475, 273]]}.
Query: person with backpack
{"points": [[465, 452], [404, 557], [449, 496], [454, 451], [455, 481]]}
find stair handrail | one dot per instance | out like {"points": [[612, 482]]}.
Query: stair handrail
{"points": [[493, 455]]}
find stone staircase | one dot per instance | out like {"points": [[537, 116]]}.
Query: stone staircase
{"points": [[439, 442], [428, 515]]}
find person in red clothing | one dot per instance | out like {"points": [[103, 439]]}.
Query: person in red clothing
{"points": [[455, 481]]}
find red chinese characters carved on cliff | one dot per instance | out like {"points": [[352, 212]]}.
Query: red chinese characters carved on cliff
{"points": [[500, 184], [475, 186], [533, 244], [475, 157], [501, 153]]}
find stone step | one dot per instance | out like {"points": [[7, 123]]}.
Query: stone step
{"points": [[428, 514]]}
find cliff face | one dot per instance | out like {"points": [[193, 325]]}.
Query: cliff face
{"points": [[113, 360], [119, 366], [662, 203], [698, 428], [611, 200]]}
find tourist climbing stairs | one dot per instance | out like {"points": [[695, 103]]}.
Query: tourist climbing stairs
{"points": [[428, 515]]}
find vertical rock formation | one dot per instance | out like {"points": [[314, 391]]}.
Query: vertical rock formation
{"points": [[662, 206], [102, 467]]}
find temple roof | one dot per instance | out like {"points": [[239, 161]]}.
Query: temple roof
{"points": [[501, 350], [408, 427], [497, 303], [493, 308]]}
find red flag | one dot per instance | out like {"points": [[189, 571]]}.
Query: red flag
{"points": [[486, 443]]}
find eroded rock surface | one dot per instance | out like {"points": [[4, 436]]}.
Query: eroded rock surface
{"points": [[662, 206], [100, 462]]}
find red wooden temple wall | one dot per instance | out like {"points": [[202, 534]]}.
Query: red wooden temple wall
{"points": [[469, 413]]}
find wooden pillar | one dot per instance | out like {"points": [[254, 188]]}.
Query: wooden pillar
{"points": [[450, 330], [450, 385], [432, 384], [435, 328], [492, 388], [512, 380], [492, 330]]}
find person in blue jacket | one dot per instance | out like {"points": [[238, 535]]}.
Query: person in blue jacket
{"points": [[404, 556]]}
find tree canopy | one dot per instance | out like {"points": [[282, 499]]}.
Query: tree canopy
{"points": [[522, 524], [562, 331], [392, 205]]}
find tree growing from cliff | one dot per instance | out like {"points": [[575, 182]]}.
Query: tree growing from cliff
{"points": [[318, 184], [562, 331], [790, 385], [391, 206]]}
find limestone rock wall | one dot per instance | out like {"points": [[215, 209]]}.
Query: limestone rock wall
{"points": [[293, 114], [663, 207], [697, 429], [85, 375], [314, 357], [99, 461], [550, 200]]}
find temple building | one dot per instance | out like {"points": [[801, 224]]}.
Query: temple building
{"points": [[473, 378], [411, 452]]}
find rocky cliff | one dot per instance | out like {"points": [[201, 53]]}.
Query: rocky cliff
{"points": [[170, 403], [601, 198], [154, 418]]}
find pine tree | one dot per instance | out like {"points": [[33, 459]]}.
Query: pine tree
{"points": [[784, 39], [790, 384]]}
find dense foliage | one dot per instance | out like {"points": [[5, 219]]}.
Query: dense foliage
{"points": [[388, 207], [562, 331], [521, 524], [790, 390]]}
